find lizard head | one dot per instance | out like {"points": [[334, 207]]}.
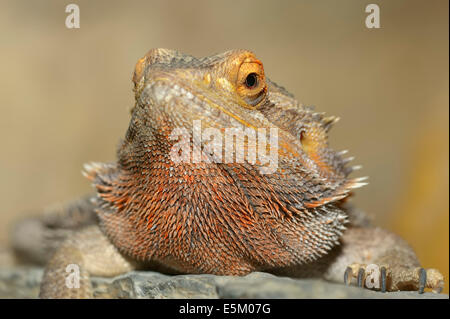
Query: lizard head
{"points": [[235, 77], [229, 90], [287, 216]]}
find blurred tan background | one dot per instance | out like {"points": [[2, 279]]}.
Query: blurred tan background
{"points": [[65, 94]]}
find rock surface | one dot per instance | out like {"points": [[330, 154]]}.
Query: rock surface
{"points": [[23, 282]]}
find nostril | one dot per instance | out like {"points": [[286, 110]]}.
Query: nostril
{"points": [[302, 136]]}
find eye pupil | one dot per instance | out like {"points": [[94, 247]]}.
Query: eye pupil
{"points": [[251, 80]]}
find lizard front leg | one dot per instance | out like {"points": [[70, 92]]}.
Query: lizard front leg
{"points": [[35, 239], [87, 252], [381, 260]]}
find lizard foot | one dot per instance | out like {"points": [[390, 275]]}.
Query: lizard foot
{"points": [[385, 278]]}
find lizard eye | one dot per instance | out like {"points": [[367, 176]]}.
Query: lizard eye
{"points": [[251, 84], [251, 80]]}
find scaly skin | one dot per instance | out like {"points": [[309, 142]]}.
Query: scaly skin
{"points": [[226, 218]]}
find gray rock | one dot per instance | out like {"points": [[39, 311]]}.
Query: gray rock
{"points": [[22, 282]]}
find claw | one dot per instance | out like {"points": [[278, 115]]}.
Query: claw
{"points": [[360, 277], [383, 279], [438, 290], [396, 278], [346, 274], [435, 280], [422, 280]]}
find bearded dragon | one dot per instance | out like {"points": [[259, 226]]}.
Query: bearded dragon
{"points": [[181, 199]]}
